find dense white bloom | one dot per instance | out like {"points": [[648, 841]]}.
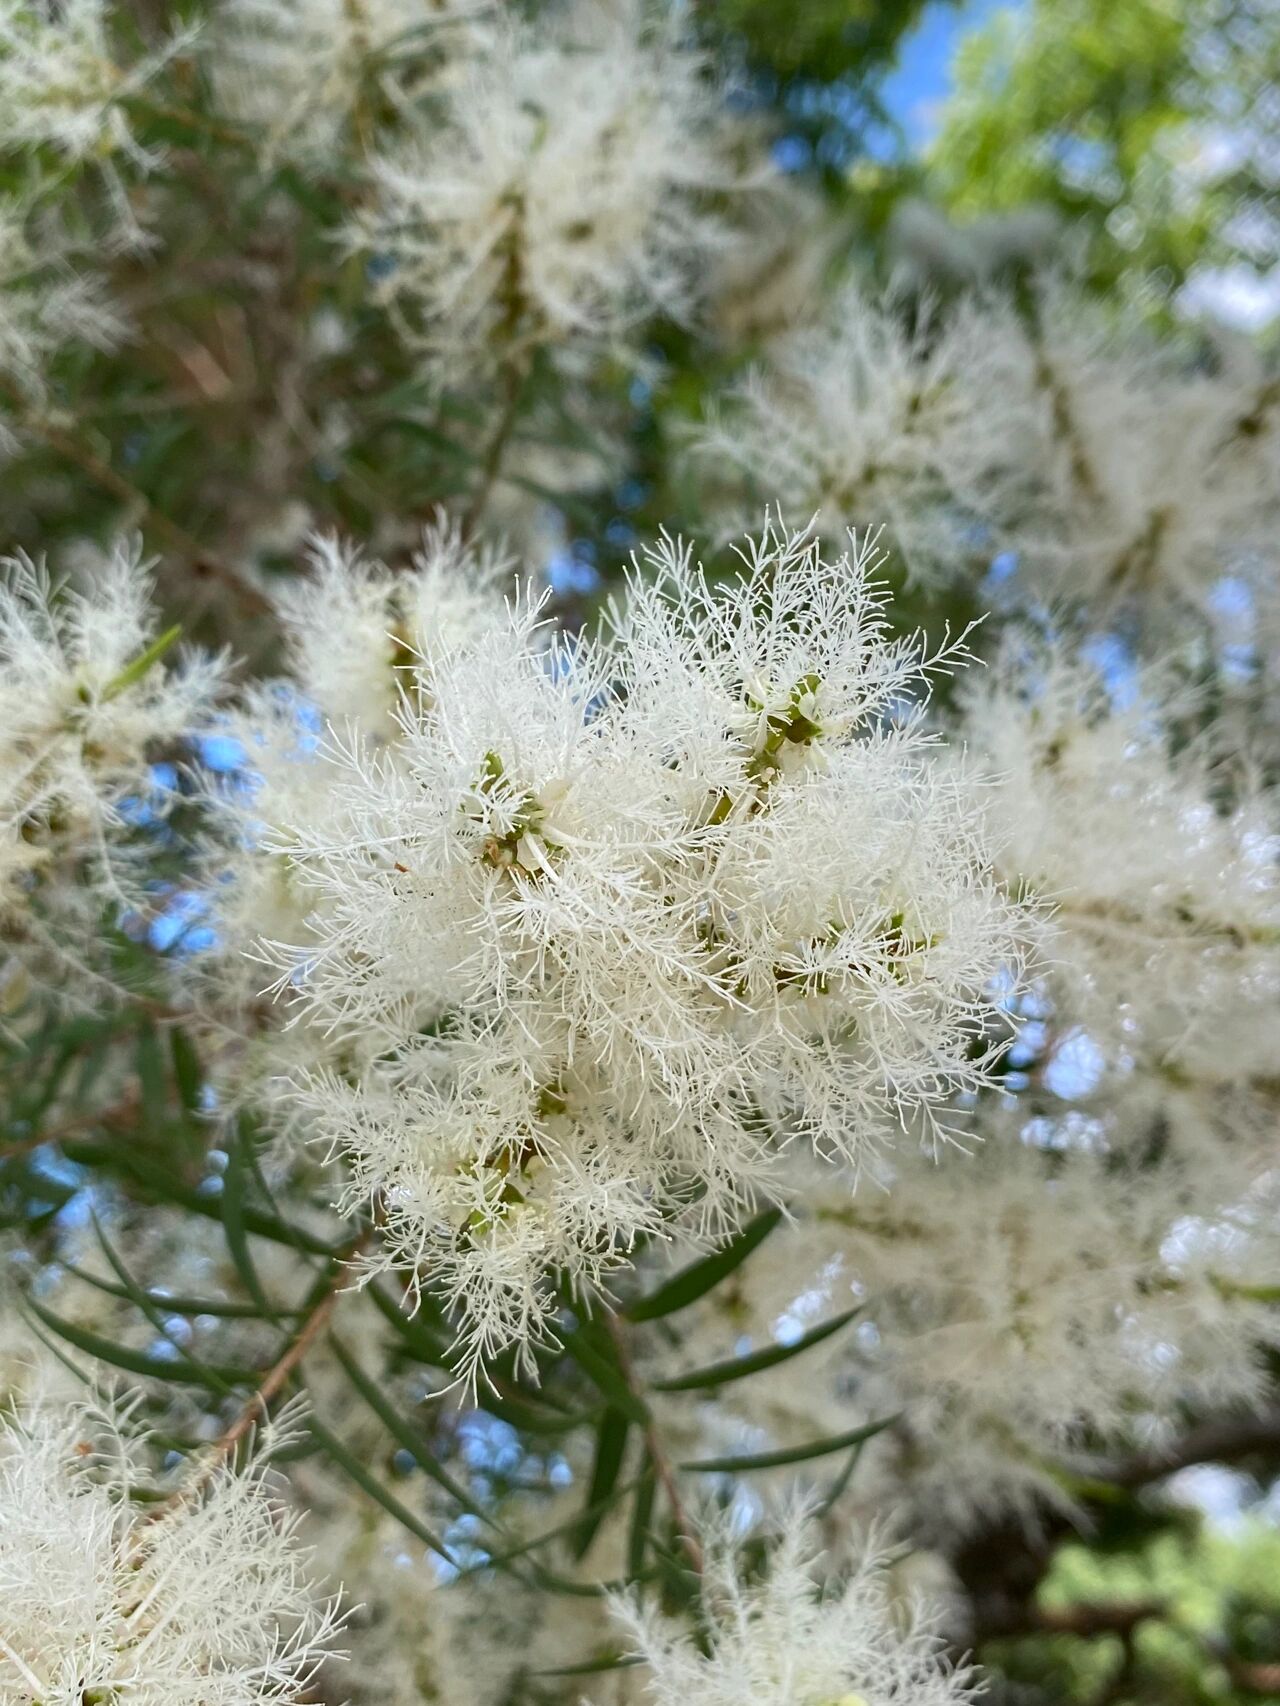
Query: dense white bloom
{"points": [[1136, 480], [1049, 1296], [46, 302], [360, 635], [1063, 1289], [614, 920], [786, 1641], [87, 701], [864, 418], [361, 639], [560, 195], [302, 70], [1161, 870], [203, 1599], [60, 83]]}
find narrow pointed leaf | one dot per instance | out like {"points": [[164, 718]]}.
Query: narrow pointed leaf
{"points": [[721, 1373], [793, 1454], [155, 1316], [611, 1445], [602, 1367], [234, 1205], [700, 1277], [641, 1513], [352, 1467], [175, 1304], [400, 1430], [135, 1362]]}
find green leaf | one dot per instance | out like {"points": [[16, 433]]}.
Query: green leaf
{"points": [[591, 1667], [721, 1373], [421, 1342], [152, 1080], [175, 1305], [186, 1069], [700, 1277], [136, 1362], [597, 1360], [133, 672], [352, 1467], [138, 1297], [620, 1491], [841, 1481], [793, 1454], [611, 1445], [233, 1219], [401, 1431], [424, 1344], [171, 1189], [641, 1512]]}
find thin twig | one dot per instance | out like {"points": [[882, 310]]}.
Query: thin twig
{"points": [[84, 457], [653, 1445], [515, 375], [118, 1115], [1225, 1440], [258, 1405]]}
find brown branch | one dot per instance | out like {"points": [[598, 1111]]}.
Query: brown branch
{"points": [[84, 457], [662, 1466], [258, 1405], [1250, 1677], [1225, 1440], [118, 1115], [1089, 1618]]}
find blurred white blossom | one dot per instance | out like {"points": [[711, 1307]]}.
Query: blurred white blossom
{"points": [[867, 419], [61, 83], [564, 192], [789, 1640], [303, 70], [88, 699], [202, 1599]]}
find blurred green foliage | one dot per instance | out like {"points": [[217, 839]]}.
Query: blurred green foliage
{"points": [[1215, 1640], [1152, 124]]}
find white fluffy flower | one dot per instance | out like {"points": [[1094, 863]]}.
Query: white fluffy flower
{"points": [[303, 70], [787, 1641], [1161, 871], [200, 1601], [561, 194], [86, 701], [863, 417], [60, 82], [360, 635], [361, 639], [1132, 480], [1051, 1297], [46, 302], [612, 921]]}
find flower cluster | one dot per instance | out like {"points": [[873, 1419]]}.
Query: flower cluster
{"points": [[600, 924], [46, 303], [1160, 865], [784, 1641], [564, 192], [864, 417], [1144, 477], [88, 702], [301, 71], [1113, 473], [61, 83], [202, 1598]]}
